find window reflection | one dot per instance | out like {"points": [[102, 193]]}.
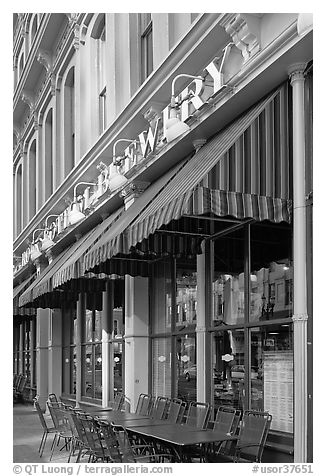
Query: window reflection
{"points": [[228, 368], [271, 292], [186, 371]]}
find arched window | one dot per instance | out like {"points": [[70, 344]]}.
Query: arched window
{"points": [[99, 35], [69, 121], [21, 62], [33, 29], [48, 154], [19, 193], [32, 179]]}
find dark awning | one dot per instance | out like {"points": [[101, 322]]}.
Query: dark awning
{"points": [[112, 238], [71, 269], [63, 267], [18, 290], [186, 196]]}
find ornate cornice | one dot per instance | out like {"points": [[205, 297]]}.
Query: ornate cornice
{"points": [[244, 29], [300, 317], [45, 59]]}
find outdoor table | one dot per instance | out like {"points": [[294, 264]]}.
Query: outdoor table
{"points": [[178, 437], [144, 421], [116, 415], [93, 410]]}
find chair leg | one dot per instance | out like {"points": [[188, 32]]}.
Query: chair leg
{"points": [[44, 433], [53, 444], [44, 441]]}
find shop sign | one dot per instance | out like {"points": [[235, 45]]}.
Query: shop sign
{"points": [[192, 98]]}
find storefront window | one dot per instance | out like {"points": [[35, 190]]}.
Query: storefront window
{"points": [[228, 368], [118, 366], [272, 283], [186, 368], [92, 355], [186, 298], [69, 359], [161, 367], [228, 280], [162, 297], [272, 374]]}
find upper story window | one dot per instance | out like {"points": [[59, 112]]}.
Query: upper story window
{"points": [[146, 45]]}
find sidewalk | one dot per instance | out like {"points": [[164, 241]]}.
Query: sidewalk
{"points": [[27, 434]]}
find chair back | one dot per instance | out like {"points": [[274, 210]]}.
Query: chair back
{"points": [[197, 414], [21, 384], [56, 414], [253, 433], [224, 419], [176, 409], [40, 415], [144, 404], [92, 434], [111, 441], [159, 408], [118, 401], [75, 414], [125, 447], [53, 398]]}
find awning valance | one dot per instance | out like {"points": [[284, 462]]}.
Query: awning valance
{"points": [[185, 196]]}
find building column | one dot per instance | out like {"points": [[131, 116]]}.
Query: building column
{"points": [[42, 326], [107, 367], [136, 339], [33, 341], [300, 315], [81, 308], [203, 346], [55, 352], [21, 348]]}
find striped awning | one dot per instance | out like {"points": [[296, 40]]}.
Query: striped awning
{"points": [[18, 290], [65, 267], [72, 267], [186, 195]]}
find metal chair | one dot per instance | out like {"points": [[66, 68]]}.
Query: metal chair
{"points": [[111, 441], [46, 429], [117, 402], [254, 428], [19, 389], [175, 411], [134, 453], [197, 415], [159, 408], [226, 420], [63, 429], [144, 404], [96, 448]]}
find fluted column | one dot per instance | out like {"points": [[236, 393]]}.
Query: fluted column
{"points": [[300, 316], [81, 307]]}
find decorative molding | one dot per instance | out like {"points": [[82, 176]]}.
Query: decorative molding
{"points": [[300, 317], [296, 72], [198, 144], [134, 189], [244, 29], [44, 58], [28, 99]]}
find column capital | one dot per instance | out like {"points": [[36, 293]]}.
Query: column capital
{"points": [[296, 72], [300, 317]]}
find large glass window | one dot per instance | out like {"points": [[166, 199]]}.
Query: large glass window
{"points": [[271, 376], [118, 349], [229, 368], [92, 355], [146, 45], [69, 359]]}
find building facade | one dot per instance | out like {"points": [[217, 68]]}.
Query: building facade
{"points": [[163, 211]]}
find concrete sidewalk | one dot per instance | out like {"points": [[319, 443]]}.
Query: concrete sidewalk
{"points": [[27, 434]]}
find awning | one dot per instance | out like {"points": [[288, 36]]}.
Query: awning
{"points": [[113, 238], [43, 292], [186, 196], [18, 290], [71, 269]]}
